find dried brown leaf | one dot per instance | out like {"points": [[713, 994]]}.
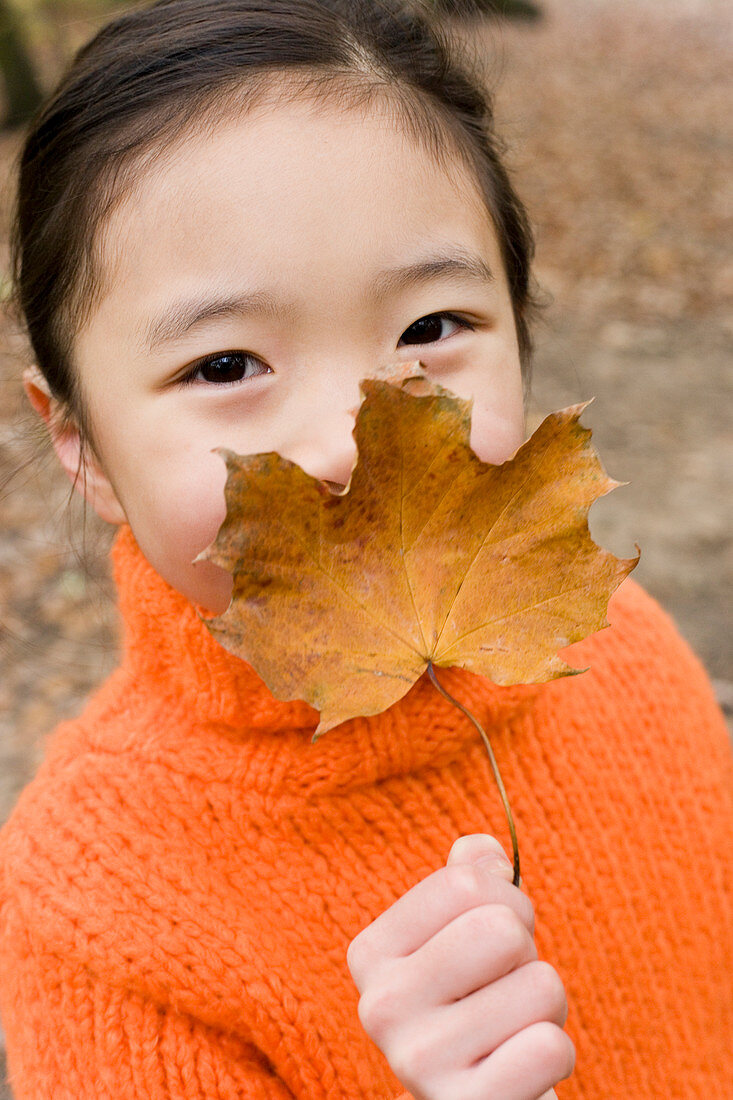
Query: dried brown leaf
{"points": [[429, 556]]}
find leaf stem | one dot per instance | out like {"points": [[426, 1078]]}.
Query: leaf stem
{"points": [[494, 766]]}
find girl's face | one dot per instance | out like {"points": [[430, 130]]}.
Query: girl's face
{"points": [[254, 277]]}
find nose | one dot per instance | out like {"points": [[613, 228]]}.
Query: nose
{"points": [[325, 446], [328, 451]]}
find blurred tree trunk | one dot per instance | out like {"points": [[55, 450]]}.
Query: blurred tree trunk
{"points": [[22, 90]]}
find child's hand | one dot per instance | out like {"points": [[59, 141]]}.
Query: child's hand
{"points": [[452, 990]]}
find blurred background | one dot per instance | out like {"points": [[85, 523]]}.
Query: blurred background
{"points": [[617, 120]]}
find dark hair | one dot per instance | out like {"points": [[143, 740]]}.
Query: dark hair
{"points": [[151, 72]]}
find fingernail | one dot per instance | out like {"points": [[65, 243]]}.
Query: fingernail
{"points": [[495, 854], [497, 865]]}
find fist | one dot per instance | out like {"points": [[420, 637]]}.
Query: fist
{"points": [[452, 991]]}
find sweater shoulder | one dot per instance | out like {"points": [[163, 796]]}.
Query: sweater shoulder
{"points": [[111, 803], [643, 646], [118, 856], [641, 684]]}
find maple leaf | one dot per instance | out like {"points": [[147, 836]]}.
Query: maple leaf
{"points": [[429, 557]]}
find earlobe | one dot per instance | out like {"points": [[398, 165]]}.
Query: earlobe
{"points": [[77, 460]]}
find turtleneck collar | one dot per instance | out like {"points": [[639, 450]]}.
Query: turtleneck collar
{"points": [[168, 650], [165, 639]]}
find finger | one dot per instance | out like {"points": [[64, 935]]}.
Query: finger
{"points": [[477, 948], [481, 1022], [525, 1066], [475, 846], [431, 904], [483, 849]]}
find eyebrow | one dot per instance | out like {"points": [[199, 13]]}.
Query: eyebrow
{"points": [[180, 317]]}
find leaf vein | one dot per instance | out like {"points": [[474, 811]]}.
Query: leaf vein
{"points": [[293, 533], [513, 614], [402, 548], [487, 539]]}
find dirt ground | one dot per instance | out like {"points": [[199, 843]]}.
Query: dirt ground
{"points": [[617, 120]]}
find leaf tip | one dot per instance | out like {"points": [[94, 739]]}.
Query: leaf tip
{"points": [[625, 566], [629, 564], [324, 725], [225, 453], [570, 671], [395, 374], [211, 553], [573, 413]]}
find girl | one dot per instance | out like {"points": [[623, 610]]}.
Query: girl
{"points": [[228, 215]]}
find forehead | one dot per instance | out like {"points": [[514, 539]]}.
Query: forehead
{"points": [[284, 183]]}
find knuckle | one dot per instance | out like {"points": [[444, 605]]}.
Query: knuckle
{"points": [[508, 930], [414, 1057], [357, 956], [464, 882], [529, 917], [352, 957], [470, 887], [500, 932], [549, 991], [379, 1011], [554, 1050], [475, 924]]}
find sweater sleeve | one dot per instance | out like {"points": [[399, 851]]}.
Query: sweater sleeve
{"points": [[71, 1037], [641, 932]]}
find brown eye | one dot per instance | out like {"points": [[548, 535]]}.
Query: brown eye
{"points": [[233, 366], [430, 329]]}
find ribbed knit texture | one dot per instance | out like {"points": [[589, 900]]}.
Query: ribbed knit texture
{"points": [[182, 879]]}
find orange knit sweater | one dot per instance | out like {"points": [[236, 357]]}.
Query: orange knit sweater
{"points": [[182, 879]]}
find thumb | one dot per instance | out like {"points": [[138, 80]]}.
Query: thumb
{"points": [[484, 850]]}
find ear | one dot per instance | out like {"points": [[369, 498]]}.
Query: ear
{"points": [[81, 466]]}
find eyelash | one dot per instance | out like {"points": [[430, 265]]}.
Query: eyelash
{"points": [[444, 314], [190, 377]]}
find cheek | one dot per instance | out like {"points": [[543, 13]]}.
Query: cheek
{"points": [[193, 504], [175, 507], [180, 519]]}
